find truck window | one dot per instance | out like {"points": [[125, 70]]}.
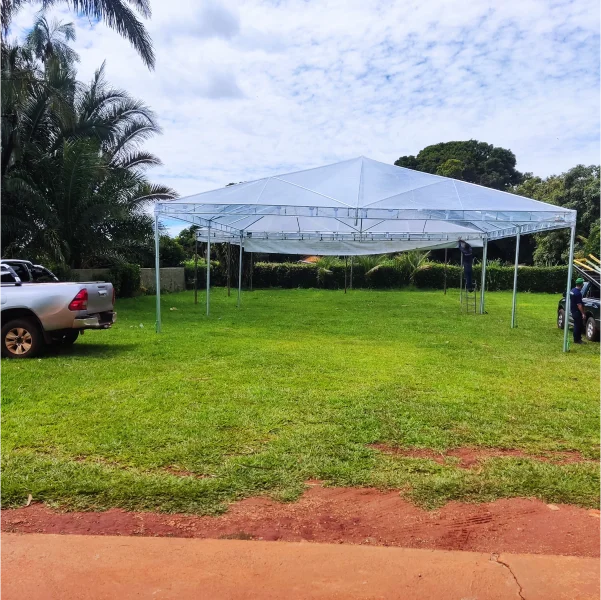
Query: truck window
{"points": [[41, 275], [21, 270]]}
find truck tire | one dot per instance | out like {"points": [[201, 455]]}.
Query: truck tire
{"points": [[592, 333], [66, 338], [561, 318], [21, 338]]}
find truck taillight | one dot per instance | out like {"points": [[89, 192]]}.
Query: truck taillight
{"points": [[113, 296], [80, 302]]}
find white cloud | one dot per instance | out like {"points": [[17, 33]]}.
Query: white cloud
{"points": [[254, 88]]}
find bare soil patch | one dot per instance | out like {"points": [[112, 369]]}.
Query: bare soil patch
{"points": [[471, 457], [352, 516]]}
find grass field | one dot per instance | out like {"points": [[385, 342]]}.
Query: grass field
{"points": [[296, 385]]}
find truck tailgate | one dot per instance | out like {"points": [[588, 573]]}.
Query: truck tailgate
{"points": [[100, 296]]}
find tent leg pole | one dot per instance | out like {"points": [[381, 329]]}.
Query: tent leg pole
{"points": [[461, 281], [209, 270], [240, 273], [483, 281], [345, 269], [566, 318], [196, 271], [157, 269], [229, 261], [351, 281], [251, 271], [445, 270], [515, 281]]}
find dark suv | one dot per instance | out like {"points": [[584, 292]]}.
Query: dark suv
{"points": [[590, 297]]}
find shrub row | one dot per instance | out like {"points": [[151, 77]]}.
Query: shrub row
{"points": [[125, 279], [530, 279], [430, 275]]}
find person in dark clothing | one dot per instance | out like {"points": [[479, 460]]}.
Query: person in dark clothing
{"points": [[577, 310], [468, 261]]}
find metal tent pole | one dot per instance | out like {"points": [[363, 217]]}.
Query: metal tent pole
{"points": [[229, 261], [515, 280], [196, 270], [240, 274], [209, 270], [345, 268], [157, 270], [483, 281], [445, 271], [461, 281], [566, 316], [251, 272], [351, 281]]}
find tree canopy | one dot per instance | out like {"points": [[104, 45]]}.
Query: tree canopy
{"points": [[473, 161], [73, 170], [577, 189]]}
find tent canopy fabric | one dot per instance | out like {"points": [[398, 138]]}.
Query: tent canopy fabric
{"points": [[360, 206]]}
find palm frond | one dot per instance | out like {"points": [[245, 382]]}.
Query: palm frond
{"points": [[118, 16]]}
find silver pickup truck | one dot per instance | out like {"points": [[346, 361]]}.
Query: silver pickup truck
{"points": [[35, 315]]}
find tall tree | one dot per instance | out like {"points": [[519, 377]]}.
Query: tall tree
{"points": [[577, 189], [73, 173], [473, 161]]}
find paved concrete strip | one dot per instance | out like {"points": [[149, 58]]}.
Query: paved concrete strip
{"points": [[69, 567]]}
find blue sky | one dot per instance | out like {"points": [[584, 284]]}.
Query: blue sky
{"points": [[254, 88]]}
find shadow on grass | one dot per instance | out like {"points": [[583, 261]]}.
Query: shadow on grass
{"points": [[101, 350]]}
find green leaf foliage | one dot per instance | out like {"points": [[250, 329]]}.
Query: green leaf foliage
{"points": [[473, 161]]}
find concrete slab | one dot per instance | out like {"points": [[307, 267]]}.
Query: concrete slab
{"points": [[47, 567]]}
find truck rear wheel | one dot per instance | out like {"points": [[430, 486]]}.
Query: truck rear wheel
{"points": [[21, 338], [592, 333]]}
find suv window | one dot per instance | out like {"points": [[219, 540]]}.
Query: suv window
{"points": [[593, 292]]}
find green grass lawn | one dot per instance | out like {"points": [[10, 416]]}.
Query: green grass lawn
{"points": [[296, 385]]}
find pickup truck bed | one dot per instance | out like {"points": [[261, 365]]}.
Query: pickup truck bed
{"points": [[38, 314]]}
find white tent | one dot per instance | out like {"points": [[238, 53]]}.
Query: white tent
{"points": [[361, 206]]}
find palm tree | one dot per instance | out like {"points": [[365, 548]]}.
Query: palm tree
{"points": [[75, 189], [49, 40], [115, 13]]}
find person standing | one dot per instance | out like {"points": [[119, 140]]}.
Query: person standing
{"points": [[577, 310], [468, 261]]}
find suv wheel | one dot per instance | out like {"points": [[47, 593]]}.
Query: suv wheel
{"points": [[592, 333], [21, 338], [561, 318]]}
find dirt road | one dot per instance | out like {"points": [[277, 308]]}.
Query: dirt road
{"points": [[71, 567]]}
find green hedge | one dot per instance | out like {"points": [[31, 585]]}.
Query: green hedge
{"points": [[530, 279], [430, 275], [125, 279], [218, 277], [287, 275]]}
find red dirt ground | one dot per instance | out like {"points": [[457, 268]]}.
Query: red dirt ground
{"points": [[471, 457], [349, 515]]}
